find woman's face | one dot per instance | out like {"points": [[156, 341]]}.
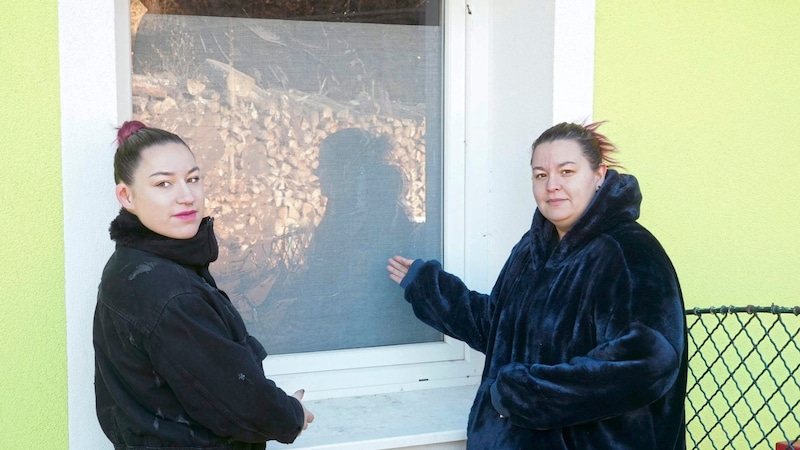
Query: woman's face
{"points": [[166, 193], [563, 182]]}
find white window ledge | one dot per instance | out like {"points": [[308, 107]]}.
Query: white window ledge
{"points": [[429, 418]]}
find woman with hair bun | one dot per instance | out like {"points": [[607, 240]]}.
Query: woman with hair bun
{"points": [[174, 364], [584, 332]]}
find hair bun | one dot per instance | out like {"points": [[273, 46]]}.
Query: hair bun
{"points": [[127, 129]]}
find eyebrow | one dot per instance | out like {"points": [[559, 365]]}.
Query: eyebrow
{"points": [[560, 165], [169, 174]]}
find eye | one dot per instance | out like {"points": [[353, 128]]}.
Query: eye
{"points": [[195, 179], [567, 172], [539, 176], [164, 184]]}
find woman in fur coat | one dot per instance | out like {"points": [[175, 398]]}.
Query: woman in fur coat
{"points": [[174, 364], [584, 331]]}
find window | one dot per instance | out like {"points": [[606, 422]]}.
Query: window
{"points": [[319, 129]]}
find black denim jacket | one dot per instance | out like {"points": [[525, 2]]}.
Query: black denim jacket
{"points": [[174, 364]]}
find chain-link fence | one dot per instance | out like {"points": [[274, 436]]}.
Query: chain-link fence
{"points": [[744, 367]]}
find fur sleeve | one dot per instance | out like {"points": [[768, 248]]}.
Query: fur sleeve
{"points": [[619, 376], [444, 302]]}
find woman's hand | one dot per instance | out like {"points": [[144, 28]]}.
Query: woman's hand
{"points": [[309, 416], [398, 268]]}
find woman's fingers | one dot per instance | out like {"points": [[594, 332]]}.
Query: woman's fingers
{"points": [[398, 268]]}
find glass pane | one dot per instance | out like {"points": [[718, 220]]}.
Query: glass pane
{"points": [[318, 128]]}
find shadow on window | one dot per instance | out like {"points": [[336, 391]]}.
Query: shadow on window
{"points": [[342, 297]]}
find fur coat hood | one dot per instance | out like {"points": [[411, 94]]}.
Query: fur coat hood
{"points": [[617, 202]]}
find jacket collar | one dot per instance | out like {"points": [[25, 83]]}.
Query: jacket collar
{"points": [[199, 251]]}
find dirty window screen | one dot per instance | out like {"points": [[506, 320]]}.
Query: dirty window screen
{"points": [[317, 125]]}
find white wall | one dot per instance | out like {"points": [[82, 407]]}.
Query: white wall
{"points": [[530, 64], [90, 85], [527, 64]]}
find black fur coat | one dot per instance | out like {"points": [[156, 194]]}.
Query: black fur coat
{"points": [[585, 338]]}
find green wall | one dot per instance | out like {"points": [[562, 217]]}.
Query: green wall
{"points": [[704, 103], [33, 368]]}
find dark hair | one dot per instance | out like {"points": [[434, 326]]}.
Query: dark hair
{"points": [[595, 146], [132, 138]]}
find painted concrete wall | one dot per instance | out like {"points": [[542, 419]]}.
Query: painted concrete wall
{"points": [[704, 103], [33, 368]]}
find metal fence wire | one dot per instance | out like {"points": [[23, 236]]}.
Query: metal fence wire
{"points": [[743, 390]]}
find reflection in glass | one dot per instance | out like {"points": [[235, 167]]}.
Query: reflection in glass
{"points": [[320, 143]]}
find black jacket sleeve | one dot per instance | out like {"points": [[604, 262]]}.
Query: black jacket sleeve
{"points": [[218, 377]]}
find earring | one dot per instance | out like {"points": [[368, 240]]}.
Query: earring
{"points": [[598, 187]]}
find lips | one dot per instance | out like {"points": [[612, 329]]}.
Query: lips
{"points": [[186, 215]]}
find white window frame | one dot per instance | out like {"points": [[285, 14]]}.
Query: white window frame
{"points": [[414, 366]]}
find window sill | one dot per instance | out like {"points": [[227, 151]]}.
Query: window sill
{"points": [[388, 421]]}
